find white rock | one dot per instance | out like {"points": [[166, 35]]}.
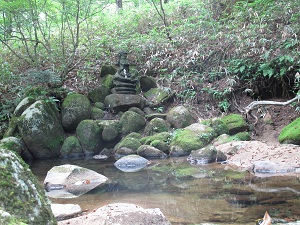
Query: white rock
{"points": [[65, 211]]}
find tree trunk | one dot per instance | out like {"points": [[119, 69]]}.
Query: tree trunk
{"points": [[119, 4]]}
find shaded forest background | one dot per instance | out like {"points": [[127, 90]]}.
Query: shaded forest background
{"points": [[207, 53]]}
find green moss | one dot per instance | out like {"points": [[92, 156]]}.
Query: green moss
{"points": [[132, 122], [131, 143], [235, 123], [242, 136], [188, 141], [22, 200], [163, 136], [291, 133], [12, 127]]}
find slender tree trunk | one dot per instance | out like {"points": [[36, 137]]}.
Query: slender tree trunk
{"points": [[119, 4]]}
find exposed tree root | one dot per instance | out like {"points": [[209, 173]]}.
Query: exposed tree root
{"points": [[248, 109]]}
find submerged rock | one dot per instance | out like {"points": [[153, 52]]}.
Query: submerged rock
{"points": [[131, 163], [206, 155], [69, 181], [121, 213]]}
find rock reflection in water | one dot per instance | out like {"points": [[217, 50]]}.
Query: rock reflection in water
{"points": [[190, 194]]}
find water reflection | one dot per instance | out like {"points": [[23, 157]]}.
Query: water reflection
{"points": [[188, 194]]}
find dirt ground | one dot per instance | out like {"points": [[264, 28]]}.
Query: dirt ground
{"points": [[264, 145]]}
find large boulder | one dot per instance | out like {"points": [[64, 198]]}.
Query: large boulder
{"points": [[235, 123], [122, 102], [89, 134], [22, 199], [71, 148], [147, 82], [180, 117], [149, 151], [157, 125], [41, 129], [121, 213], [75, 108], [157, 96], [132, 122], [17, 145], [193, 137], [206, 155], [290, 134], [98, 94], [159, 141], [128, 145]]}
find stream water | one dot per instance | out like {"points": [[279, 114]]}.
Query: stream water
{"points": [[188, 194]]}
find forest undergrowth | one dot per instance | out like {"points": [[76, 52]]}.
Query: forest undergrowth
{"points": [[211, 55]]}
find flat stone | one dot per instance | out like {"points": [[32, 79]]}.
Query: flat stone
{"points": [[120, 213], [65, 211]]}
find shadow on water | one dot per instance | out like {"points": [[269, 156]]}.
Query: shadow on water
{"points": [[188, 194]]}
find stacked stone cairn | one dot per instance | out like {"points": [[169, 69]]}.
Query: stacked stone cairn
{"points": [[123, 81]]}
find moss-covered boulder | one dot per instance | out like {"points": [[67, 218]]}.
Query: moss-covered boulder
{"points": [[157, 125], [122, 102], [128, 145], [107, 81], [89, 134], [132, 122], [97, 114], [157, 96], [22, 199], [224, 138], [23, 105], [98, 94], [75, 108], [206, 155], [149, 151], [218, 125], [41, 129], [290, 134], [110, 133], [147, 82], [235, 123], [180, 117], [160, 141], [17, 145], [107, 69], [71, 148], [193, 137]]}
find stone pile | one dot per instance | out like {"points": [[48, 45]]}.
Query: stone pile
{"points": [[124, 82]]}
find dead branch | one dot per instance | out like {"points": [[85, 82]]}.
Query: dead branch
{"points": [[252, 105], [248, 109]]}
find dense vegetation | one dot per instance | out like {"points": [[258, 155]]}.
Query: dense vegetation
{"points": [[199, 50]]}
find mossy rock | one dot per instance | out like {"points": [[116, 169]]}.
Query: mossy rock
{"points": [[18, 146], [219, 126], [129, 142], [180, 117], [225, 138], [290, 134], [71, 148], [161, 145], [157, 96], [235, 123], [206, 155], [99, 105], [21, 194], [23, 105], [107, 81], [109, 133], [163, 136], [97, 114], [89, 134], [191, 138], [147, 82], [132, 122], [12, 127], [157, 125], [107, 69], [75, 108], [41, 129], [149, 151], [98, 94]]}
